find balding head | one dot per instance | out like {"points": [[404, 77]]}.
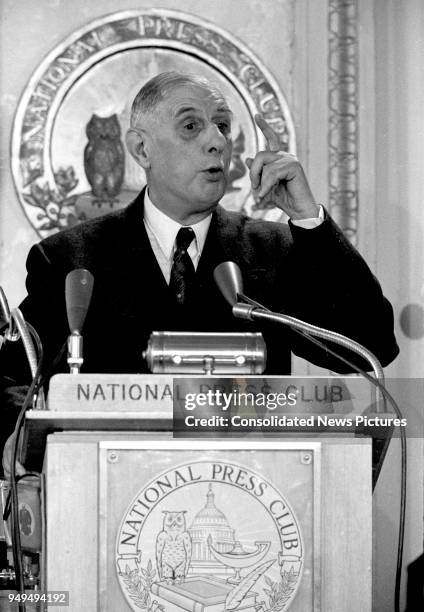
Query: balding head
{"points": [[159, 87]]}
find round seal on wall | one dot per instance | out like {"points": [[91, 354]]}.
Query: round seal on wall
{"points": [[76, 107], [193, 538]]}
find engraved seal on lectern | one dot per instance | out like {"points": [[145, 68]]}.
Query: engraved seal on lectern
{"points": [[75, 111], [209, 535]]}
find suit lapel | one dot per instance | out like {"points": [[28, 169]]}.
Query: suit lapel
{"points": [[220, 243], [141, 261], [131, 278]]}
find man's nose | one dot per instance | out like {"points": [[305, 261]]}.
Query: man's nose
{"points": [[214, 139]]}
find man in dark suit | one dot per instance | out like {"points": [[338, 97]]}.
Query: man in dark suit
{"points": [[180, 134]]}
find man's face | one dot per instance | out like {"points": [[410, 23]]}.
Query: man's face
{"points": [[189, 150]]}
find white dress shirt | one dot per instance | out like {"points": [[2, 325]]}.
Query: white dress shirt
{"points": [[162, 232]]}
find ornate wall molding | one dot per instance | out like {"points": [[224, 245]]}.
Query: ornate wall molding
{"points": [[343, 120]]}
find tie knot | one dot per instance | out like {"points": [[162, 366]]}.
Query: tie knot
{"points": [[184, 237]]}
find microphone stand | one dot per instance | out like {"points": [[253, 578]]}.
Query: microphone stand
{"points": [[228, 278], [21, 326], [75, 352], [254, 311]]}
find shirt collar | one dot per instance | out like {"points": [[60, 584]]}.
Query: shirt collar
{"points": [[166, 229]]}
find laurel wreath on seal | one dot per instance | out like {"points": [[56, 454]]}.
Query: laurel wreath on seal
{"points": [[139, 583], [279, 592], [55, 205]]}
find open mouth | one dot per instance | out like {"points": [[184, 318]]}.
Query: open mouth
{"points": [[213, 172]]}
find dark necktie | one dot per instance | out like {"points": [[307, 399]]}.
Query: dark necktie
{"points": [[182, 272]]}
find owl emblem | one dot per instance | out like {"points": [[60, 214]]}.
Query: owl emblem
{"points": [[104, 158], [173, 548]]}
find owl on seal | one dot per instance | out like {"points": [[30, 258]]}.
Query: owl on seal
{"points": [[173, 548], [104, 158]]}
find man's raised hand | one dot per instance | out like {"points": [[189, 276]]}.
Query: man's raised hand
{"points": [[278, 178]]}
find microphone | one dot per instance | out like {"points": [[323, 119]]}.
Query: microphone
{"points": [[7, 325], [78, 292], [228, 278], [4, 311], [19, 329]]}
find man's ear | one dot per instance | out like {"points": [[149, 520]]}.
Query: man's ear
{"points": [[136, 145]]}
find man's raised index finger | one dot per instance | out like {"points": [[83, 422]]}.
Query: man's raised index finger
{"points": [[271, 137]]}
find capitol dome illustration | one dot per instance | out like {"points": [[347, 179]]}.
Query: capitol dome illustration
{"points": [[210, 521]]}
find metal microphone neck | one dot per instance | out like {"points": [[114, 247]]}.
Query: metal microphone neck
{"points": [[75, 352]]}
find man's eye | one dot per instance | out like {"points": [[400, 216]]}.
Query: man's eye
{"points": [[190, 127], [224, 127]]}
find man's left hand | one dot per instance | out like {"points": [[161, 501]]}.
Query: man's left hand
{"points": [[278, 178]]}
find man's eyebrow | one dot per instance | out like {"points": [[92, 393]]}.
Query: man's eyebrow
{"points": [[190, 109], [224, 109], [185, 109]]}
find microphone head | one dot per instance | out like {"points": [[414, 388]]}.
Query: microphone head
{"points": [[4, 311], [78, 290], [227, 276]]}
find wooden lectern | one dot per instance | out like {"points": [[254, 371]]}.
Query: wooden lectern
{"points": [[139, 519]]}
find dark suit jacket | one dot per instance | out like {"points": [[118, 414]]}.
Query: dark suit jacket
{"points": [[315, 275]]}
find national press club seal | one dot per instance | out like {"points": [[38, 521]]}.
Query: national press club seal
{"points": [[79, 99], [209, 535]]}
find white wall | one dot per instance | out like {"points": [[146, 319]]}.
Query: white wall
{"points": [[399, 155], [398, 124]]}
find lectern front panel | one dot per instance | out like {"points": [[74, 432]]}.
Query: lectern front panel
{"points": [[142, 521], [209, 526]]}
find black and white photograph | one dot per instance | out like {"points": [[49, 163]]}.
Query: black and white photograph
{"points": [[212, 305]]}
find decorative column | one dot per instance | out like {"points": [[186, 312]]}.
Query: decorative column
{"points": [[343, 132]]}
